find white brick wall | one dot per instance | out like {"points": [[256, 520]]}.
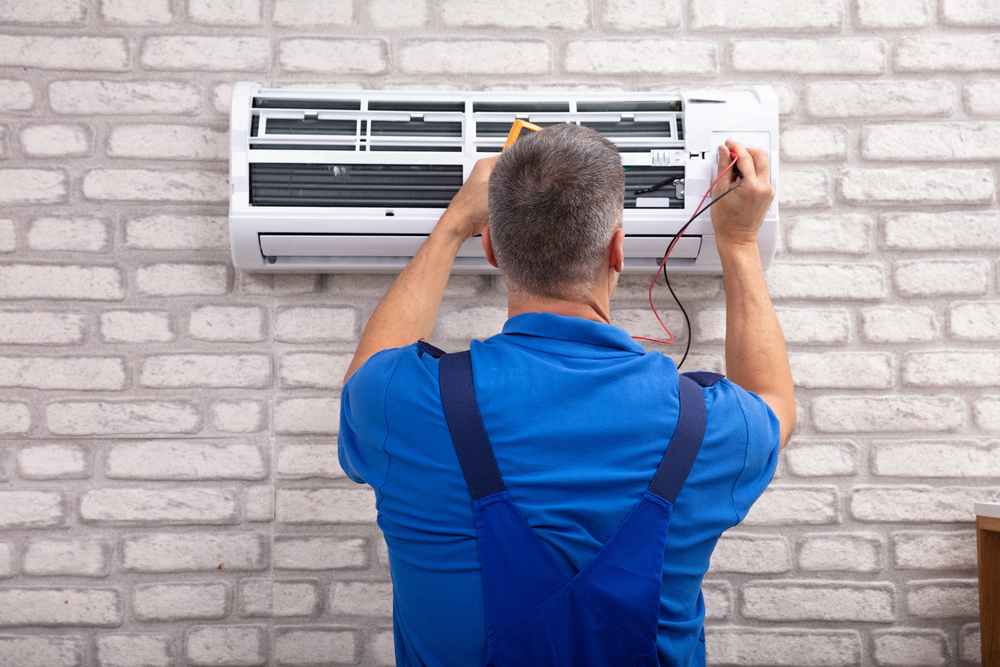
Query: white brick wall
{"points": [[167, 425]]}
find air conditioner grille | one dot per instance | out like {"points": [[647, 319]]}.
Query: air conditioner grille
{"points": [[346, 128], [415, 186], [601, 106], [499, 129], [416, 105], [523, 107], [329, 105], [640, 178], [415, 128], [630, 128]]}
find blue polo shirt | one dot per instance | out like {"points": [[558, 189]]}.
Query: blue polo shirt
{"points": [[579, 416]]}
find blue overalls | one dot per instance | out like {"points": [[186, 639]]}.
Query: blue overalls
{"points": [[536, 614]]}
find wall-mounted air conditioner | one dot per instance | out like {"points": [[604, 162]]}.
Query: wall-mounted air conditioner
{"points": [[353, 182]]}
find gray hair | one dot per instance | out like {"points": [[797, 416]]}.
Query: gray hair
{"points": [[556, 199]]}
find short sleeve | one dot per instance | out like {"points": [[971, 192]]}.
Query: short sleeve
{"points": [[762, 447], [363, 426]]}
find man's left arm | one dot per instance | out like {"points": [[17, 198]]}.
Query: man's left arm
{"points": [[408, 310]]}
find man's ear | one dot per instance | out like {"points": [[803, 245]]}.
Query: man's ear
{"points": [[488, 247], [616, 251]]}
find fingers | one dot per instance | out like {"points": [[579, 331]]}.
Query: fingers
{"points": [[753, 162]]}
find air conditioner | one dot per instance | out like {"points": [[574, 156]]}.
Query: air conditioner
{"points": [[353, 182]]}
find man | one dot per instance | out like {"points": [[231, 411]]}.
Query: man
{"points": [[577, 414]]}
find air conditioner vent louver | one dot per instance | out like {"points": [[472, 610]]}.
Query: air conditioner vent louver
{"points": [[415, 128], [346, 128], [522, 107], [280, 103], [416, 105], [486, 129], [630, 128], [612, 106], [414, 186]]}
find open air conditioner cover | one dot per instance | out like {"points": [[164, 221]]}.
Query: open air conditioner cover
{"points": [[353, 182]]}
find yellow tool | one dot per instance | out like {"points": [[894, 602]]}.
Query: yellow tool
{"points": [[515, 131]]}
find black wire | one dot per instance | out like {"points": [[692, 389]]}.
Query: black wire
{"points": [[687, 320]]}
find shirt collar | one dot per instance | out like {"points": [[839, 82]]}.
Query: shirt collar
{"points": [[576, 329]]}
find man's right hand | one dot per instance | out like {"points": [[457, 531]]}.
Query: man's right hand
{"points": [[737, 216]]}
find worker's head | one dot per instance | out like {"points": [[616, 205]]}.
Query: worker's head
{"points": [[556, 200]]}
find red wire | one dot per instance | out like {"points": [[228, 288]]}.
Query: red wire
{"points": [[671, 247]]}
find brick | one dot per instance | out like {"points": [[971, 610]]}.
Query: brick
{"points": [[32, 509], [982, 98], [945, 598], [307, 552], [167, 459], [893, 324], [782, 648], [170, 142], [183, 279], [930, 141], [194, 552], [347, 56], [307, 646], [829, 281], [971, 643], [179, 602], [840, 552], [686, 287], [314, 370], [911, 647], [790, 505], [948, 53], [893, 13], [42, 328], [887, 414], [175, 232], [225, 12], [641, 56], [73, 234], [805, 56], [964, 368], [227, 324], [809, 458], [131, 650], [751, 554], [758, 15], [56, 140], [49, 281], [177, 506], [136, 12], [128, 326], [108, 54], [124, 97], [804, 188], [814, 143], [936, 459], [33, 186], [136, 417], [914, 186], [210, 54], [155, 185], [316, 325], [305, 461], [880, 99], [55, 461], [16, 95], [918, 504], [81, 373], [485, 321], [718, 597], [265, 597], [238, 416], [58, 11], [843, 370], [305, 416], [475, 57], [90, 607], [302, 13], [226, 646], [320, 506], [6, 563], [974, 320], [258, 503], [362, 598], [819, 601], [934, 550], [564, 14], [15, 418], [41, 651], [394, 14], [846, 234], [641, 14], [986, 411], [206, 370], [274, 284], [76, 558], [977, 13]]}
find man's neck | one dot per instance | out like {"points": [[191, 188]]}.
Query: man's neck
{"points": [[595, 309]]}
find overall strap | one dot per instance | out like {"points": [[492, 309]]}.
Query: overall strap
{"points": [[461, 410], [686, 441]]}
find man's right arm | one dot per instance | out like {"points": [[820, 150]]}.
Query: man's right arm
{"points": [[756, 358]]}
